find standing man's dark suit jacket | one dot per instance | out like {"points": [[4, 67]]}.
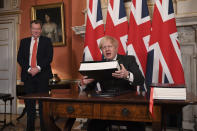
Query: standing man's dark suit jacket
{"points": [[131, 65], [44, 57]]}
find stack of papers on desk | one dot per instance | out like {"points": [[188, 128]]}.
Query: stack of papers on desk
{"points": [[99, 70], [169, 91]]}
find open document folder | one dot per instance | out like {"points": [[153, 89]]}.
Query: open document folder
{"points": [[99, 70]]}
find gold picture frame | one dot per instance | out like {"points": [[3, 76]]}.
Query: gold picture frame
{"points": [[52, 16]]}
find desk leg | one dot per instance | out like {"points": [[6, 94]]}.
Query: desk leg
{"points": [[156, 126], [48, 120], [69, 124], [157, 119]]}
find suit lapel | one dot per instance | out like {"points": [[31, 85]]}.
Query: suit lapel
{"points": [[119, 59], [28, 43], [39, 46]]}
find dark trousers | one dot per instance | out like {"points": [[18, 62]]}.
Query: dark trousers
{"points": [[101, 125], [35, 85]]}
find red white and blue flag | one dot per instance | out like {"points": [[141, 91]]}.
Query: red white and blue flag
{"points": [[164, 57], [139, 32], [164, 64], [94, 31], [117, 24]]}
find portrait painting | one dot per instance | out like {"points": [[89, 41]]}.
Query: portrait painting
{"points": [[52, 17]]}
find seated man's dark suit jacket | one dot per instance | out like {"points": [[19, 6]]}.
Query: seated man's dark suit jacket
{"points": [[131, 65]]}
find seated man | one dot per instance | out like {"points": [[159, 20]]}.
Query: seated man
{"points": [[127, 78]]}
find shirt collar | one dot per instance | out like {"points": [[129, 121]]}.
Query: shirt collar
{"points": [[32, 38], [115, 58]]}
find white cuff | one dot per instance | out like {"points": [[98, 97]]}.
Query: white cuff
{"points": [[29, 69], [130, 77], [39, 68]]}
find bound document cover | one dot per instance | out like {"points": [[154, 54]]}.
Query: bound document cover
{"points": [[169, 91], [99, 70]]}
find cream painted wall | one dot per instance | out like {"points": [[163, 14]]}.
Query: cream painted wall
{"points": [[186, 8], [183, 8]]}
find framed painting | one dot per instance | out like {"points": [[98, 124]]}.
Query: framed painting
{"points": [[52, 17]]}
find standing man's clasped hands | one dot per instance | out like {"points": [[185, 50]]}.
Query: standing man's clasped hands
{"points": [[33, 71]]}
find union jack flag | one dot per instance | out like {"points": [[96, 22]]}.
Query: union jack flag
{"points": [[117, 24], [94, 31], [164, 63], [139, 32]]}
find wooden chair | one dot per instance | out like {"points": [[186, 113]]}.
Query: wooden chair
{"points": [[6, 97]]}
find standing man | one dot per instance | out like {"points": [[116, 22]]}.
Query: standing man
{"points": [[34, 56], [125, 79]]}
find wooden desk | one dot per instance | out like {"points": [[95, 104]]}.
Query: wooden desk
{"points": [[20, 91], [130, 107]]}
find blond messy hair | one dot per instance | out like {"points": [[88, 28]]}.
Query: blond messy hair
{"points": [[112, 40]]}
